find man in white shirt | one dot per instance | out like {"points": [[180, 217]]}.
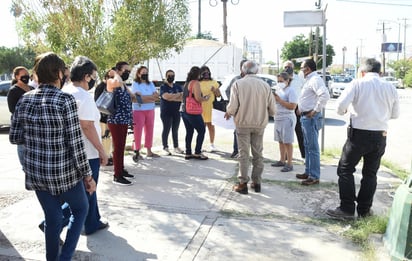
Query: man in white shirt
{"points": [[312, 100], [374, 102]]}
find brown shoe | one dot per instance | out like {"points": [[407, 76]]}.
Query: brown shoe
{"points": [[310, 181], [255, 186], [302, 176], [241, 188]]}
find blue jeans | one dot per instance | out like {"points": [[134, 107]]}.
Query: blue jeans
{"points": [[20, 153], [51, 205], [310, 128], [92, 222], [194, 122], [170, 120]]}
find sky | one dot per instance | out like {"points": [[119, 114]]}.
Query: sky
{"points": [[354, 24]]}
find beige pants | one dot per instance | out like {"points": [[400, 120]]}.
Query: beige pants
{"points": [[250, 139], [106, 140]]}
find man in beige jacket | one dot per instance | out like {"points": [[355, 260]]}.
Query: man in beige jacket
{"points": [[251, 104]]}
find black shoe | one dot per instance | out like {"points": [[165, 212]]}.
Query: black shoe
{"points": [[255, 186], [41, 226], [137, 156], [126, 174], [102, 225], [302, 176], [365, 215], [235, 154], [241, 188], [121, 181], [338, 213], [109, 162]]}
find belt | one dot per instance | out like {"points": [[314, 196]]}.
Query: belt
{"points": [[370, 132], [304, 113]]}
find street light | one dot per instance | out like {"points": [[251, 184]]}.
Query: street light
{"points": [[214, 3], [343, 62]]}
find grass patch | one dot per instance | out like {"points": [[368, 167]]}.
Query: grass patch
{"points": [[361, 230], [398, 171]]}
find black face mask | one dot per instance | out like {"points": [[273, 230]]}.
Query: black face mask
{"points": [[62, 81], [125, 75], [205, 76], [25, 79], [170, 79], [144, 77], [91, 83], [289, 70]]}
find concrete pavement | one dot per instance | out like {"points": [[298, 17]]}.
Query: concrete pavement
{"points": [[186, 210], [181, 209]]}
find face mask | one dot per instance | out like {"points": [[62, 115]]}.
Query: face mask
{"points": [[25, 79], [289, 70], [301, 75], [144, 77], [91, 83], [125, 75], [205, 75], [281, 85], [170, 79]]}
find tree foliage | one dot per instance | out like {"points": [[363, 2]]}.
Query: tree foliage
{"points": [[106, 31], [16, 56], [401, 68], [299, 47]]}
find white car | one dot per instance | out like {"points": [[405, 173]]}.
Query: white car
{"points": [[4, 108], [268, 78], [339, 84], [391, 80]]}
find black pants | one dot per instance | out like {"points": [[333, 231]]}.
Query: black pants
{"points": [[369, 145], [299, 134], [170, 120]]}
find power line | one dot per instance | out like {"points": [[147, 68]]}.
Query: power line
{"points": [[375, 3]]}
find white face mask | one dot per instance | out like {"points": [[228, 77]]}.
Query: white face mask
{"points": [[281, 85], [301, 75]]}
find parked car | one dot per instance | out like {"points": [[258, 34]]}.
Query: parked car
{"points": [[339, 84], [392, 80], [4, 108], [268, 78]]}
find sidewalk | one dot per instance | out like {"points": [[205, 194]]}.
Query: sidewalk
{"points": [[181, 209]]}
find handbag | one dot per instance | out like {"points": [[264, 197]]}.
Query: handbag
{"points": [[193, 107], [106, 103], [220, 104]]}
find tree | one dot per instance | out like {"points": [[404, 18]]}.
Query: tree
{"points": [[16, 56], [106, 31], [299, 47], [401, 68]]}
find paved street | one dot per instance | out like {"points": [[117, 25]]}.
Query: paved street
{"points": [[185, 210]]}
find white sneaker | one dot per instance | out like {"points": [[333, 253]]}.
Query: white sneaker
{"points": [[212, 148], [167, 152], [179, 151]]}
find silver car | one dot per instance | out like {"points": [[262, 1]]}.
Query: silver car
{"points": [[4, 108]]}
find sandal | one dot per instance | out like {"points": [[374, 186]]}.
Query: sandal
{"points": [[153, 155], [199, 156], [278, 163]]}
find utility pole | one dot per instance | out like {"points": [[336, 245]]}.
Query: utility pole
{"points": [[199, 26], [383, 41], [213, 3], [315, 53]]}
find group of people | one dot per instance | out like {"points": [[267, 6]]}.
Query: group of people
{"points": [[60, 132], [373, 102]]}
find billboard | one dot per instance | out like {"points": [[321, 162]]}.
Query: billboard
{"points": [[303, 18], [391, 47]]}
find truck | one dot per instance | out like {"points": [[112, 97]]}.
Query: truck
{"points": [[222, 60]]}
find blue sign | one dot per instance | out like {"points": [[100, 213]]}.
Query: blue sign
{"points": [[391, 47]]}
